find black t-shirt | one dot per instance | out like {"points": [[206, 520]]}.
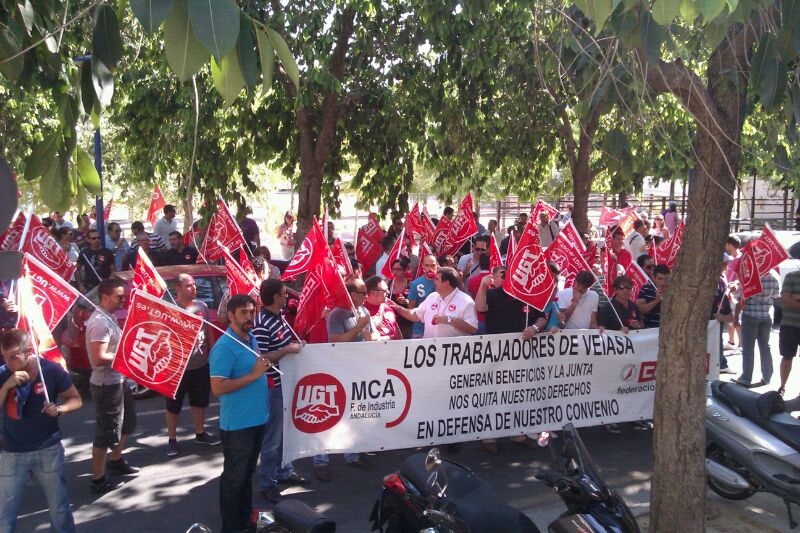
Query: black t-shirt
{"points": [[187, 257], [648, 293], [156, 257], [95, 263], [506, 314], [608, 319]]}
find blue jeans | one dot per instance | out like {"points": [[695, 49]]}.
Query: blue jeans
{"points": [[754, 329], [48, 467], [323, 459], [270, 470]]}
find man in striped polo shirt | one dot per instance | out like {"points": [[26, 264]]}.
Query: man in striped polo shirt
{"points": [[275, 340]]}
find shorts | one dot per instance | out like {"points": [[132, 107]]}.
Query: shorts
{"points": [[115, 413], [197, 383], [788, 341]]}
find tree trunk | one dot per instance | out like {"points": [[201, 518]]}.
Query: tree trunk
{"points": [[582, 175], [677, 501], [188, 211]]}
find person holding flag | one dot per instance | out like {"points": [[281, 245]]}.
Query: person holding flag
{"points": [[34, 392], [275, 341], [112, 398], [620, 314], [468, 263], [421, 288], [195, 381], [95, 263]]}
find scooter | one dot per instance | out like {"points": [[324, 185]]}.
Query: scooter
{"points": [[434, 495], [752, 444]]}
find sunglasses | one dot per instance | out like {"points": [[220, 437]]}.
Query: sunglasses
{"points": [[360, 292], [626, 288], [480, 249]]}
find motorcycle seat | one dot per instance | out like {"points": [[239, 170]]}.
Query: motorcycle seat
{"points": [[298, 517], [476, 503], [765, 410]]}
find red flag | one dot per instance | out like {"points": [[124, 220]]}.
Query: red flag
{"points": [[146, 277], [11, 237], [512, 247], [495, 259], [157, 203], [189, 237], [373, 230], [768, 251], [156, 343], [223, 231], [572, 236], [367, 250], [747, 271], [626, 222], [569, 259], [52, 294], [107, 209], [428, 229], [671, 253], [590, 255], [462, 227], [336, 294], [440, 235], [247, 266], [652, 250], [311, 304], [528, 277], [310, 254], [609, 265], [395, 253], [341, 258], [239, 281], [41, 244], [413, 222], [609, 216], [638, 278], [542, 207], [31, 319]]}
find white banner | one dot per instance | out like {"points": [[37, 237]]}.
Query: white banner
{"points": [[369, 396]]}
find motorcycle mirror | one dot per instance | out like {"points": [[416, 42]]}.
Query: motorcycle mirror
{"points": [[435, 486], [433, 459], [544, 439]]}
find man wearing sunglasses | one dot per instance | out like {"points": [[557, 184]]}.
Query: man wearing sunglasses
{"points": [[95, 263], [620, 313], [468, 264]]}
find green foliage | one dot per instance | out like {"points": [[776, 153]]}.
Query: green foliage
{"points": [[216, 25], [151, 13], [185, 53]]}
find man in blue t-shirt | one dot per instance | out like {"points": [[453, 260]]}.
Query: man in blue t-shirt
{"points": [[420, 289], [30, 428], [238, 379]]}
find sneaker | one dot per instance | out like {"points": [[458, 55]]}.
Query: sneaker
{"points": [[613, 428], [206, 438], [104, 484], [172, 448], [271, 494], [121, 468], [362, 462], [726, 370], [294, 479], [322, 473], [642, 424]]}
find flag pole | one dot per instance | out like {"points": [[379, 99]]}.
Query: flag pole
{"points": [[34, 341]]}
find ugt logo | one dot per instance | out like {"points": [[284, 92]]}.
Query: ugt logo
{"points": [[318, 403], [151, 353]]}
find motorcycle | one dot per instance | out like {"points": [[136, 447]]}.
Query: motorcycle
{"points": [[288, 516], [752, 444], [434, 495]]}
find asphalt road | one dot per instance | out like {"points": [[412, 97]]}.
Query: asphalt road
{"points": [[170, 494]]}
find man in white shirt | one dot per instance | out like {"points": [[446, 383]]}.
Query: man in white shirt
{"points": [[468, 263], [166, 224], [447, 312], [634, 241], [578, 304], [548, 230]]}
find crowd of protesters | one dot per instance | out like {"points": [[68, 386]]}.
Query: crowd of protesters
{"points": [[452, 296]]}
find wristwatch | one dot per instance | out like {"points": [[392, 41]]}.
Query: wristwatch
{"points": [[449, 319], [536, 328]]}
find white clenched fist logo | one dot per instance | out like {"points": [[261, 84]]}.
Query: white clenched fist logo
{"points": [[151, 353]]}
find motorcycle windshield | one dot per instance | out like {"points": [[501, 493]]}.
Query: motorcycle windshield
{"points": [[582, 456]]}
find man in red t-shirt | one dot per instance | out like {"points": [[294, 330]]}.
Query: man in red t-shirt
{"points": [[384, 319]]}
